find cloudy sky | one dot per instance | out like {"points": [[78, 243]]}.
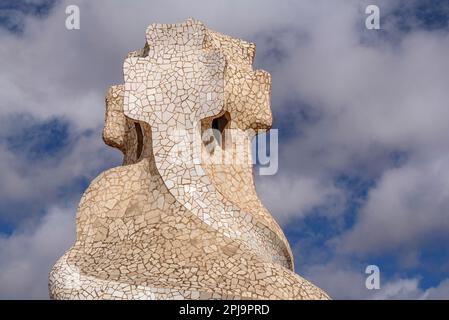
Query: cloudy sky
{"points": [[363, 121]]}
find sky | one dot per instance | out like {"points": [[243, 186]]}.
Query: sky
{"points": [[362, 116]]}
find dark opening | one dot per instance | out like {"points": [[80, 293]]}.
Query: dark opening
{"points": [[139, 139], [219, 125]]}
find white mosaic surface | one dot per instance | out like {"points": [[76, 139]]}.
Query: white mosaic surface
{"points": [[170, 226]]}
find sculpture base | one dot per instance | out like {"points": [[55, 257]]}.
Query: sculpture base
{"points": [[67, 282]]}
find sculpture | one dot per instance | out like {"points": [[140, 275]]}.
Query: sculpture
{"points": [[176, 221]]}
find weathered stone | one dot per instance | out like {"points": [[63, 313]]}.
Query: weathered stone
{"points": [[176, 221]]}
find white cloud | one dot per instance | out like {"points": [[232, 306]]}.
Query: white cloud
{"points": [[340, 280], [293, 196], [440, 292], [344, 281], [27, 255], [408, 288], [37, 184], [408, 206], [370, 101]]}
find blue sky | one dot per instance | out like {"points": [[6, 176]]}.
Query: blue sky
{"points": [[363, 169]]}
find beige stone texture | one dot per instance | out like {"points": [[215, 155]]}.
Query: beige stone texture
{"points": [[181, 219]]}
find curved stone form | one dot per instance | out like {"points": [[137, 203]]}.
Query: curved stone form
{"points": [[180, 219]]}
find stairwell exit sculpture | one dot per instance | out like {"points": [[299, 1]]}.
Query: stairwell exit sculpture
{"points": [[171, 224]]}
